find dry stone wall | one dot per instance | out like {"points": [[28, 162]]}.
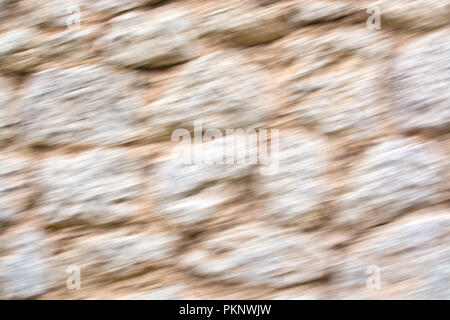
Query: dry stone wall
{"points": [[91, 91]]}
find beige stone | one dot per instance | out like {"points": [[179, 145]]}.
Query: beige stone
{"points": [[406, 260], [157, 39], [258, 254]]}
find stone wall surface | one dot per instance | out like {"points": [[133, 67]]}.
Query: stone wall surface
{"points": [[91, 93]]}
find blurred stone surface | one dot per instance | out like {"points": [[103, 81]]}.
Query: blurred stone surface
{"points": [[15, 189], [97, 100], [18, 52], [314, 11], [296, 193], [394, 176], [115, 256], [9, 118], [335, 83], [220, 90], [409, 258], [24, 273], [95, 187], [114, 7], [157, 39], [85, 105], [312, 49], [69, 45], [189, 213], [195, 183], [48, 13], [338, 101], [258, 254], [243, 24], [60, 14], [421, 14], [421, 82]]}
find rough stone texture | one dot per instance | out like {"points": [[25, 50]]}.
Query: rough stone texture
{"points": [[421, 14], [15, 190], [193, 184], [295, 194], [25, 48], [18, 52], [60, 13], [394, 176], [8, 114], [92, 112], [327, 92], [85, 105], [113, 7], [25, 273], [96, 187], [69, 45], [338, 102], [420, 82], [157, 39], [115, 256], [47, 13], [315, 11], [220, 90], [258, 255], [412, 256], [312, 49], [190, 212], [244, 24]]}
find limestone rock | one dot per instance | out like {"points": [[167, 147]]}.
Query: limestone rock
{"points": [[61, 14], [157, 39], [297, 192], [18, 52], [410, 259], [49, 13], [95, 187], [336, 101], [314, 11], [114, 7], [86, 105], [69, 45], [15, 189], [393, 176], [26, 272], [189, 213], [115, 256], [309, 50], [99, 101], [190, 193], [414, 15], [258, 255], [9, 118], [244, 25], [335, 83], [420, 82], [220, 90]]}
